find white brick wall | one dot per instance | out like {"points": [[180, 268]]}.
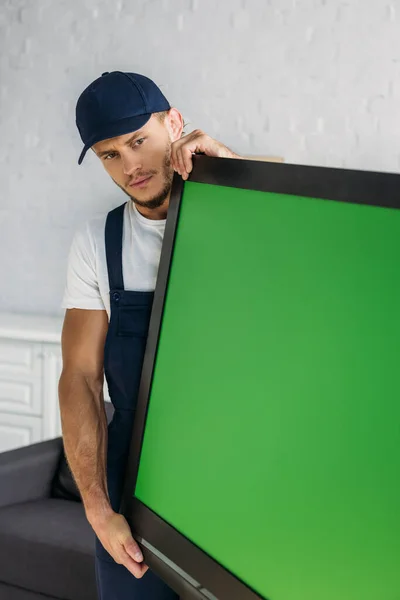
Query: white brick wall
{"points": [[316, 81]]}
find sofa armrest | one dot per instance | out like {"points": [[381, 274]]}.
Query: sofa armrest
{"points": [[26, 473]]}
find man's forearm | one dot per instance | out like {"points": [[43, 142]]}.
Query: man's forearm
{"points": [[84, 427]]}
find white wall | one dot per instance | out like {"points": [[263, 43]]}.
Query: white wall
{"points": [[316, 81]]}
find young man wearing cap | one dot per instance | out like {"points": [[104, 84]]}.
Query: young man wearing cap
{"points": [[112, 268]]}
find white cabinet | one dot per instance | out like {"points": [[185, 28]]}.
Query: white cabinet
{"points": [[19, 430], [30, 369], [20, 377]]}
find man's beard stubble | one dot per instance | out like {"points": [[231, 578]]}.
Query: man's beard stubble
{"points": [[168, 174]]}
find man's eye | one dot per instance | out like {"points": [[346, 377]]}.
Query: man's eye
{"points": [[139, 141], [109, 156]]}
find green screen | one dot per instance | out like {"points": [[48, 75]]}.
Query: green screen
{"points": [[273, 433]]}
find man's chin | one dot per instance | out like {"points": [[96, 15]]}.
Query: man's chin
{"points": [[153, 201]]}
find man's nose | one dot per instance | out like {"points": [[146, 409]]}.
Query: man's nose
{"points": [[130, 164]]}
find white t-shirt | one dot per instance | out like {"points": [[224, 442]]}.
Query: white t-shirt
{"points": [[87, 277]]}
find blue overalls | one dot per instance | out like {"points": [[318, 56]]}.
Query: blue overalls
{"points": [[123, 359]]}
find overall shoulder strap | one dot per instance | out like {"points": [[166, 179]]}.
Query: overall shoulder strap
{"points": [[113, 240]]}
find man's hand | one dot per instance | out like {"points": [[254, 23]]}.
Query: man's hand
{"points": [[197, 141], [116, 537]]}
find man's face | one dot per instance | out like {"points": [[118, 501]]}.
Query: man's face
{"points": [[139, 162]]}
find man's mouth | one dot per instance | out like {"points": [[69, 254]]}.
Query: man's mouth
{"points": [[139, 183]]}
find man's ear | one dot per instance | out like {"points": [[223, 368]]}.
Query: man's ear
{"points": [[174, 123]]}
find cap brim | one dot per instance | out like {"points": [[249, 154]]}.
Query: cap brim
{"points": [[120, 127], [82, 156]]}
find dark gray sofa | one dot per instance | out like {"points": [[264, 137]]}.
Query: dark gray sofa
{"points": [[46, 543]]}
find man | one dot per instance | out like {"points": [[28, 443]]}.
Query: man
{"points": [[112, 268]]}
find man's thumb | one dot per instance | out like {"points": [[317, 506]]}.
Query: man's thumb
{"points": [[133, 550]]}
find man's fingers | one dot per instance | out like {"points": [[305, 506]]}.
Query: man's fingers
{"points": [[183, 149], [174, 157], [133, 550], [180, 161], [185, 162], [187, 158], [133, 558], [137, 569], [128, 552]]}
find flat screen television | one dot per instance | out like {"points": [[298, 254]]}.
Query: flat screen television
{"points": [[265, 455]]}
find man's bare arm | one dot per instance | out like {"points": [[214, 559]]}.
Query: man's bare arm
{"points": [[84, 426], [83, 418]]}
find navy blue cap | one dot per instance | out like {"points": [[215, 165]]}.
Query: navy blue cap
{"points": [[114, 104]]}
